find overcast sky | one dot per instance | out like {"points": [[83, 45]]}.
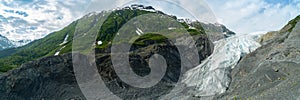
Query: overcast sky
{"points": [[33, 19]]}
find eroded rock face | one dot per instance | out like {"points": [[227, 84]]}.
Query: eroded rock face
{"points": [[272, 71], [53, 77], [139, 60], [47, 78]]}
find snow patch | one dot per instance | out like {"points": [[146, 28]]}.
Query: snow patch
{"points": [[184, 20], [99, 42], [191, 27], [65, 40], [57, 53], [139, 31], [171, 28]]}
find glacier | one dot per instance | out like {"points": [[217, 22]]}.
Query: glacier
{"points": [[212, 76]]}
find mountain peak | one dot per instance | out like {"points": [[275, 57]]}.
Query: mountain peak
{"points": [[5, 43]]}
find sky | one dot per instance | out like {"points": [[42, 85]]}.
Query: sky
{"points": [[34, 19]]}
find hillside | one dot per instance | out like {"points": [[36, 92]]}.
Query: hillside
{"points": [[60, 42], [272, 71], [51, 69], [5, 43]]}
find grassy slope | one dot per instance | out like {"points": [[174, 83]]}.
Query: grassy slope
{"points": [[47, 46], [37, 49]]}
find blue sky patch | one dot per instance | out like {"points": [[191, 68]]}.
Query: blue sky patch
{"points": [[22, 13], [282, 2], [9, 11]]}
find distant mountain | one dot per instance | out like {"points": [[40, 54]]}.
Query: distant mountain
{"points": [[5, 43], [21, 42], [272, 71], [214, 30], [47, 46]]}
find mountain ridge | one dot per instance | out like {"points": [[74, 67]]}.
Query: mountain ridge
{"points": [[50, 45], [271, 71], [51, 76], [5, 43]]}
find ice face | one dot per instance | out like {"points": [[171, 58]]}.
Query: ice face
{"points": [[212, 76]]}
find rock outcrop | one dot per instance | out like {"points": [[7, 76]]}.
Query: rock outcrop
{"points": [[47, 78], [53, 77], [215, 31], [272, 71]]}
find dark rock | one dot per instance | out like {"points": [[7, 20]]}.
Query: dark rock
{"points": [[53, 77], [47, 78]]}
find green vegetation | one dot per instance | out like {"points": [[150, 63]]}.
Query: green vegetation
{"points": [[49, 45], [151, 39], [115, 21], [37, 49], [194, 32], [293, 23]]}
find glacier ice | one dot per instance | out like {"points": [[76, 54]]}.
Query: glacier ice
{"points": [[212, 76]]}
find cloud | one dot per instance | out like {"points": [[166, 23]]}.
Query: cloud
{"points": [[247, 16], [34, 19], [241, 16]]}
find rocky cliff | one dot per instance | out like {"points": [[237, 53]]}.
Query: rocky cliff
{"points": [[272, 71], [53, 77], [47, 78]]}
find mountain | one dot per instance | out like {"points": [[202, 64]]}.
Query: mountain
{"points": [[271, 71], [45, 66], [214, 30], [5, 43], [21, 42], [232, 67], [60, 42], [14, 57]]}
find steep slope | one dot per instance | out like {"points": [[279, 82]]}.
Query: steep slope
{"points": [[44, 77], [5, 43], [60, 42], [272, 71], [212, 76], [14, 57], [47, 78], [215, 31]]}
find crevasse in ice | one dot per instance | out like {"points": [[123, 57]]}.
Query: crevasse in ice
{"points": [[212, 76]]}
